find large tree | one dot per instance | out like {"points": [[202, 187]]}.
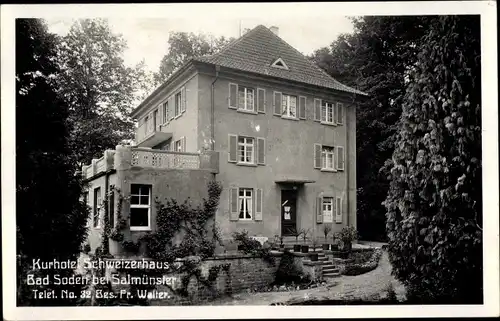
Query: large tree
{"points": [[375, 59], [434, 205], [99, 88], [182, 46], [50, 216]]}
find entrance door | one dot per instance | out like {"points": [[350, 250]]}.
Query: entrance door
{"points": [[288, 212]]}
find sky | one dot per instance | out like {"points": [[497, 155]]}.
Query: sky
{"points": [[147, 37]]}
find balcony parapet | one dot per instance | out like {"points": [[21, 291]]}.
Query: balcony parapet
{"points": [[127, 157]]}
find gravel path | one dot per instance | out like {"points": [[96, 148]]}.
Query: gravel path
{"points": [[371, 285]]}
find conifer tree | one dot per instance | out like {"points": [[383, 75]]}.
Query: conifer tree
{"points": [[434, 202]]}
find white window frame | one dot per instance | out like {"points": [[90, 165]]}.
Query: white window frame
{"points": [[246, 106], [246, 145], [328, 201], [286, 106], [327, 109], [148, 206], [178, 103], [247, 202], [327, 151]]}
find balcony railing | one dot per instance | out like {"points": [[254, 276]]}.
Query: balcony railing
{"points": [[164, 159], [126, 157]]}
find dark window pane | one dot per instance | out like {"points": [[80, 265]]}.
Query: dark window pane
{"points": [[134, 189], [144, 190], [139, 216], [144, 200], [134, 200]]}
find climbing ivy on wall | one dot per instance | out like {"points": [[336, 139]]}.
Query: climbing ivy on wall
{"points": [[183, 231]]}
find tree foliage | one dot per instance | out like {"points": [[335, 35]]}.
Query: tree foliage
{"points": [[434, 202], [375, 58], [50, 217], [182, 47], [97, 86]]}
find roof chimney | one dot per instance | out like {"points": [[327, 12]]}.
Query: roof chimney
{"points": [[275, 30]]}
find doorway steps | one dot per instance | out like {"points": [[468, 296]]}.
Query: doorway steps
{"points": [[328, 268]]}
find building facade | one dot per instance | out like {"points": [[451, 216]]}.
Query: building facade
{"points": [[272, 127]]}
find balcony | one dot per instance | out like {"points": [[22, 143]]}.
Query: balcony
{"points": [[127, 157], [149, 134]]}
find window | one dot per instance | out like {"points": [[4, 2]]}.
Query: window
{"points": [[245, 150], [178, 146], [327, 209], [245, 98], [178, 104], [140, 207], [97, 207], [327, 157], [289, 106], [327, 110], [279, 63], [165, 112], [245, 203]]}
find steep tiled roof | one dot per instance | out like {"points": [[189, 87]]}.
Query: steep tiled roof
{"points": [[260, 47]]}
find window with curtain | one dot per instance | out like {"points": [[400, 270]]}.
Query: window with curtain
{"points": [[327, 157], [245, 203], [245, 98], [289, 106]]}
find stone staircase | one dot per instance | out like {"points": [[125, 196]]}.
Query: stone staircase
{"points": [[329, 269]]}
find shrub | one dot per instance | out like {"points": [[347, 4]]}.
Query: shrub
{"points": [[288, 272], [361, 268], [251, 246]]}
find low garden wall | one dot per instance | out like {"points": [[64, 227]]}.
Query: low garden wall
{"points": [[217, 276]]}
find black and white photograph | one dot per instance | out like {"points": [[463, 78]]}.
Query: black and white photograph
{"points": [[161, 157]]}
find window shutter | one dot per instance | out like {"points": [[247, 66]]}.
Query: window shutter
{"points": [[164, 110], [277, 103], [319, 209], [340, 119], [183, 144], [183, 99], [233, 204], [233, 96], [302, 107], [335, 114], [233, 148], [171, 107], [338, 209], [317, 109], [261, 100], [317, 155], [340, 157], [261, 151], [258, 204]]}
